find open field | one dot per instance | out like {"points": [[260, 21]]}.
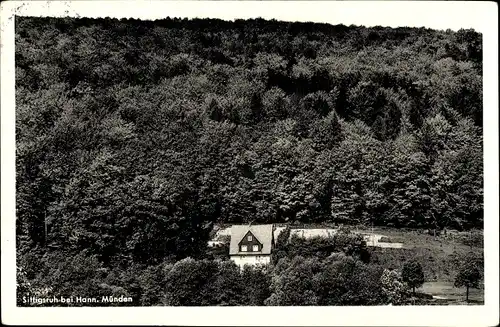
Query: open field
{"points": [[437, 255], [446, 291]]}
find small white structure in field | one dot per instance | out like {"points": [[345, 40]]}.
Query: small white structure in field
{"points": [[251, 244]]}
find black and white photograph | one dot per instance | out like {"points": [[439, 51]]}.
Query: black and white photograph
{"points": [[247, 161]]}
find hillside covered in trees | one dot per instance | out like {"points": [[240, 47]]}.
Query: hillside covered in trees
{"points": [[135, 137]]}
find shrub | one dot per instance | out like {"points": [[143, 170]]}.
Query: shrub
{"points": [[393, 288], [346, 281], [293, 282], [186, 283], [472, 239], [152, 283], [336, 280], [23, 286], [344, 241], [256, 285], [72, 276]]}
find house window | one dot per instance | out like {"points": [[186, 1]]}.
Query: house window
{"points": [[243, 248], [255, 248], [249, 238]]}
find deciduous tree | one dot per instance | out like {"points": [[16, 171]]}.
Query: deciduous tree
{"points": [[412, 274]]}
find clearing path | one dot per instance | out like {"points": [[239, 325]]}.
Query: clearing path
{"points": [[446, 291]]}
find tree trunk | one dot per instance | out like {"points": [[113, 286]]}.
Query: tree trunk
{"points": [[467, 295], [413, 290]]}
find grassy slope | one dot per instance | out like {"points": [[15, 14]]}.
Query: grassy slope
{"points": [[452, 294], [436, 255]]}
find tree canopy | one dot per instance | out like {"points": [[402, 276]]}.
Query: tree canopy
{"points": [[134, 138]]}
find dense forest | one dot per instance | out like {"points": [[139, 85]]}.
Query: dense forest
{"points": [[134, 138]]}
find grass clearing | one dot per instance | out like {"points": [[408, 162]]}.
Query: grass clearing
{"points": [[438, 257], [447, 291]]}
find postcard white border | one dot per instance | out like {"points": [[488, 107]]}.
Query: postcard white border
{"points": [[482, 16]]}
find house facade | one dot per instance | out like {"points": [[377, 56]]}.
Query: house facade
{"points": [[251, 244]]}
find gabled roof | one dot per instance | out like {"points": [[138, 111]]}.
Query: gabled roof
{"points": [[264, 233], [249, 233]]}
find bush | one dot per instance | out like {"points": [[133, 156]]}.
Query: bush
{"points": [[226, 239], [152, 284], [347, 281], [23, 287], [187, 283], [472, 239], [343, 241], [336, 280], [393, 287], [293, 282], [220, 252], [256, 282], [204, 282]]}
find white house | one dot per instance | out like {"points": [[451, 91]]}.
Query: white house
{"points": [[251, 244]]}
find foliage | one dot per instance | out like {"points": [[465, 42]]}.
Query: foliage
{"points": [[347, 281], [256, 283], [281, 245], [473, 238], [337, 280], [23, 286], [413, 275], [469, 273], [133, 138], [438, 257], [293, 282], [393, 287], [346, 242], [187, 283]]}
